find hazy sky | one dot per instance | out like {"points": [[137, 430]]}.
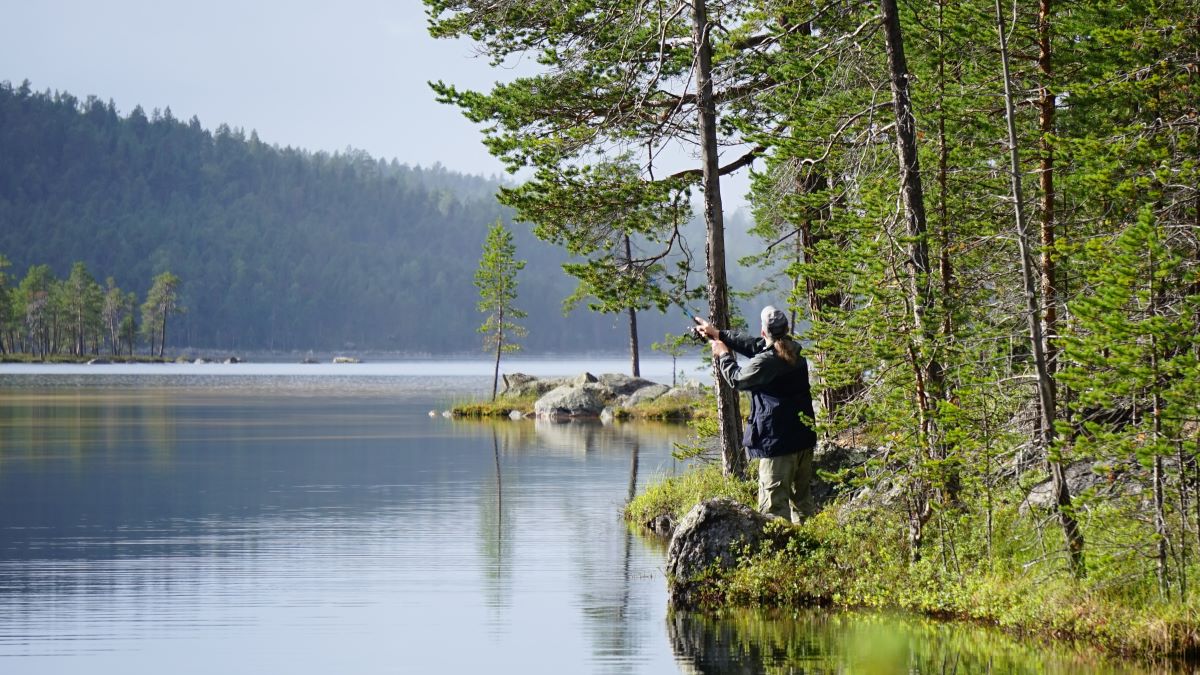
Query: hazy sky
{"points": [[321, 75], [315, 74]]}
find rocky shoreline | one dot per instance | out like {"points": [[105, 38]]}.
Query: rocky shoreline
{"points": [[587, 396]]}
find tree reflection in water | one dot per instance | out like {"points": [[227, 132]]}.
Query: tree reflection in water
{"points": [[816, 641]]}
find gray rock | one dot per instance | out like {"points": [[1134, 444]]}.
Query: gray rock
{"points": [[571, 401], [1083, 477], [624, 385], [644, 395], [687, 391], [584, 378], [520, 384], [833, 458], [710, 537], [607, 415], [515, 415], [663, 525]]}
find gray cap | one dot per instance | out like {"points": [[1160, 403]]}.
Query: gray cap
{"points": [[774, 322]]}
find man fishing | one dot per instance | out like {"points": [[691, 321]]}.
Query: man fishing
{"points": [[779, 432]]}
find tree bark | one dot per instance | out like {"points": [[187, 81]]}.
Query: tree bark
{"points": [[634, 365], [1160, 515], [911, 190], [953, 477], [162, 338], [926, 367], [733, 459], [499, 346], [1045, 386], [946, 269], [1046, 105]]}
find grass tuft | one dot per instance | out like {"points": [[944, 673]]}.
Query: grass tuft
{"points": [[676, 495], [501, 407]]}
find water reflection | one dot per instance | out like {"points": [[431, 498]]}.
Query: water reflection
{"points": [[817, 641], [495, 545], [315, 530], [210, 527]]}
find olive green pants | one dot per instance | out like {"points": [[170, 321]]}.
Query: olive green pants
{"points": [[785, 486]]}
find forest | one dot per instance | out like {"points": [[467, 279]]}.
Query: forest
{"points": [[274, 248], [989, 218]]}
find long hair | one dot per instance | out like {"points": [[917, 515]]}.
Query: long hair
{"points": [[787, 350]]}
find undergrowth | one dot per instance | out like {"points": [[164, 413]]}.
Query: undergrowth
{"points": [[858, 557]]}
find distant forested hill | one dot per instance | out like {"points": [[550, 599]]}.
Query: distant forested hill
{"points": [[277, 248]]}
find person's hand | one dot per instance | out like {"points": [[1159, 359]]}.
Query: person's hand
{"points": [[706, 329], [719, 349]]}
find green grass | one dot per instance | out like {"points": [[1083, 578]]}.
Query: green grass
{"points": [[671, 410], [501, 407], [676, 495]]}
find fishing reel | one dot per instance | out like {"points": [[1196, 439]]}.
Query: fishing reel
{"points": [[696, 334]]}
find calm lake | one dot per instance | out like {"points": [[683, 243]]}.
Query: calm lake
{"points": [[316, 519]]}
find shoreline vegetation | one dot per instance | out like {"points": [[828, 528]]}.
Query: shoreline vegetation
{"points": [[504, 406], [678, 411], [851, 555], [84, 359]]}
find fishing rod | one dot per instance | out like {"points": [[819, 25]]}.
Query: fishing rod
{"points": [[691, 313]]}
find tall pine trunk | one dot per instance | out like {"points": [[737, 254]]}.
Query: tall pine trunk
{"points": [[499, 348], [1160, 514], [635, 366], [1045, 385], [733, 459], [926, 368], [162, 338], [1046, 104], [953, 478]]}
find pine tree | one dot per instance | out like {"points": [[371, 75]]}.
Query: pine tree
{"points": [[496, 280], [83, 304], [622, 82], [162, 301]]}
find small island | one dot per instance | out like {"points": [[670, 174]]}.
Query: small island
{"points": [[588, 396]]}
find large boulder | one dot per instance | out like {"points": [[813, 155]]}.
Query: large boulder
{"points": [[643, 395], [684, 392], [583, 378], [585, 400], [520, 385], [709, 539], [624, 385]]}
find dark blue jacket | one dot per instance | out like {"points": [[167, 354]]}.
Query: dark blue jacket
{"points": [[781, 410]]}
